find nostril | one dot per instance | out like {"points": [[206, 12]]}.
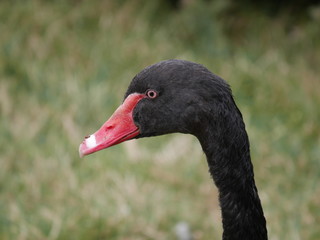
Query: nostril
{"points": [[109, 127]]}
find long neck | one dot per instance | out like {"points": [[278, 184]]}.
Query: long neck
{"points": [[226, 146]]}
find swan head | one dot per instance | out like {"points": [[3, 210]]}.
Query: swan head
{"points": [[167, 97]]}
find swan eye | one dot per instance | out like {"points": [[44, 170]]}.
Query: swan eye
{"points": [[151, 94]]}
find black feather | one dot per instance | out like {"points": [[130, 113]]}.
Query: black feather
{"points": [[193, 100]]}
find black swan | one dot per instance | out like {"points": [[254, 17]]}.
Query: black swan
{"points": [[181, 96]]}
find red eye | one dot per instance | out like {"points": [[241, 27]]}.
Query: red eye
{"points": [[151, 94]]}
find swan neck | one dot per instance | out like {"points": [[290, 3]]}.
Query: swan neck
{"points": [[226, 146]]}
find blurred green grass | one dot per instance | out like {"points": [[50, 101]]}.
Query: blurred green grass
{"points": [[64, 67]]}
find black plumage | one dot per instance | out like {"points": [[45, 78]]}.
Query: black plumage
{"points": [[193, 100]]}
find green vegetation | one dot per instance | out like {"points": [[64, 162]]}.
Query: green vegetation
{"points": [[64, 67]]}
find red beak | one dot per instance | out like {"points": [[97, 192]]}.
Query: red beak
{"points": [[119, 128]]}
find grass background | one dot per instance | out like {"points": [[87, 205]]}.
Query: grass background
{"points": [[64, 67]]}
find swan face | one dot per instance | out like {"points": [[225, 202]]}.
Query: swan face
{"points": [[167, 97]]}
